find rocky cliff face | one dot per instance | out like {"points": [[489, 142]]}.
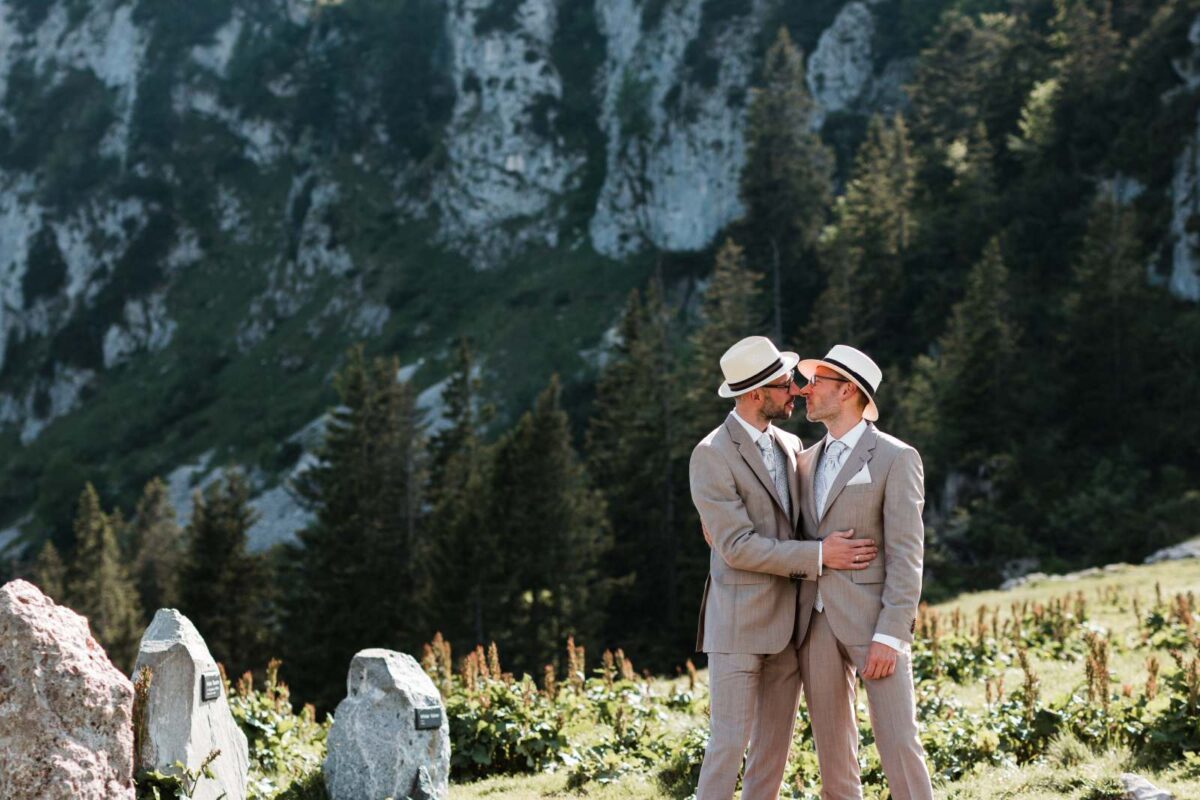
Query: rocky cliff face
{"points": [[198, 198]]}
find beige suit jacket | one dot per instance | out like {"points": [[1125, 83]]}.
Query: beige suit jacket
{"points": [[750, 597], [883, 597]]}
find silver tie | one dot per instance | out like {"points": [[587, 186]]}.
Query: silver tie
{"points": [[831, 462], [766, 446]]}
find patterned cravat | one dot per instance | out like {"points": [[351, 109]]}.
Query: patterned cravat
{"points": [[766, 446], [831, 462]]}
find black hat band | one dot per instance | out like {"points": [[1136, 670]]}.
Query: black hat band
{"points": [[862, 382], [753, 379]]}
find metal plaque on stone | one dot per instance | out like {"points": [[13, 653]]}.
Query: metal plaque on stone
{"points": [[210, 685], [429, 719]]}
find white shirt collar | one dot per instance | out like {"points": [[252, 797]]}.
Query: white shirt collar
{"points": [[755, 433], [849, 438]]}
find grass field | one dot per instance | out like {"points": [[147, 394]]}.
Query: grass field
{"points": [[1065, 768]]}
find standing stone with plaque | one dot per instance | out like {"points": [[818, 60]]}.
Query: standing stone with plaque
{"points": [[390, 736], [187, 713]]}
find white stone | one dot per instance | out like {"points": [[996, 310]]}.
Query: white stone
{"points": [[60, 393], [675, 187], [107, 43], [186, 479], [146, 326], [1184, 280], [1138, 788], [1188, 549], [181, 726], [369, 318], [841, 66], [374, 748], [502, 176], [1187, 67], [66, 728], [20, 220], [215, 55]]}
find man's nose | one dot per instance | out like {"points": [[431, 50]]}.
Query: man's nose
{"points": [[796, 388]]}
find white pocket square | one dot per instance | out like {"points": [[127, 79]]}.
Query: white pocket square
{"points": [[860, 477]]}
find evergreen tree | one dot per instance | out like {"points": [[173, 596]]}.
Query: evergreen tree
{"points": [[731, 310], [555, 534], [158, 549], [98, 585], [786, 184], [224, 590], [49, 572], [975, 71], [1110, 317], [468, 562], [359, 578], [863, 254], [961, 402], [1088, 56], [638, 462]]}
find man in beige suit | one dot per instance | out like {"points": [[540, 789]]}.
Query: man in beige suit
{"points": [[861, 478], [745, 486]]}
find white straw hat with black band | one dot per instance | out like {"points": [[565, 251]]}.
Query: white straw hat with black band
{"points": [[751, 363], [853, 364]]}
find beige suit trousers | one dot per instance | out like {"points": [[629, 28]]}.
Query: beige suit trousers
{"points": [[828, 669], [754, 699]]}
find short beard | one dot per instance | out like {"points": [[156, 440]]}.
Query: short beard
{"points": [[776, 412]]}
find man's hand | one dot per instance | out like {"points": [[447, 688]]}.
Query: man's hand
{"points": [[881, 661], [707, 535], [839, 551]]}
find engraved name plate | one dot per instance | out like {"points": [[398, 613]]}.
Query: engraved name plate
{"points": [[210, 686], [429, 718]]}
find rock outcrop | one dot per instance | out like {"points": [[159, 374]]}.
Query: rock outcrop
{"points": [[66, 728], [375, 747], [186, 714]]}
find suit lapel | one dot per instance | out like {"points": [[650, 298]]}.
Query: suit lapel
{"points": [[858, 457], [753, 457], [806, 468], [793, 477]]}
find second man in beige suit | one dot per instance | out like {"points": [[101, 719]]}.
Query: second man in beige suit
{"points": [[859, 478]]}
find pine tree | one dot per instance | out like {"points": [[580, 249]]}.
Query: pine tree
{"points": [[158, 549], [556, 533], [1110, 316], [731, 310], [786, 184], [359, 578], [635, 457], [863, 254], [49, 572], [98, 585], [224, 590], [971, 381], [975, 71], [467, 557]]}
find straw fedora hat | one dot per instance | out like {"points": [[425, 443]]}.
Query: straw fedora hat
{"points": [[853, 364], [751, 363]]}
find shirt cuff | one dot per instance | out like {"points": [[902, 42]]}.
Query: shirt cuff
{"points": [[890, 641], [820, 558]]}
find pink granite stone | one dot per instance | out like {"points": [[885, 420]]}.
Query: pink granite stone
{"points": [[66, 730]]}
